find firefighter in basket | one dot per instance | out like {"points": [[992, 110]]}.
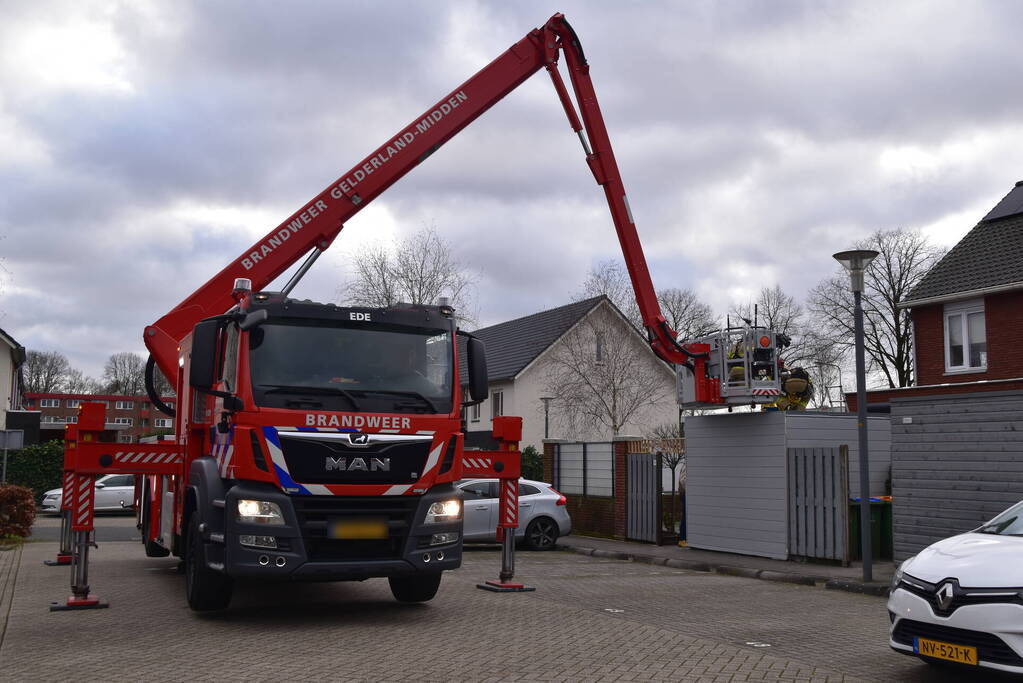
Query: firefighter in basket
{"points": [[796, 389]]}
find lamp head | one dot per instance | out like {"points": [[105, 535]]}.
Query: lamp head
{"points": [[856, 261]]}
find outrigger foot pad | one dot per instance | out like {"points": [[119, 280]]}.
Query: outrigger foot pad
{"points": [[61, 561], [499, 587], [73, 603]]}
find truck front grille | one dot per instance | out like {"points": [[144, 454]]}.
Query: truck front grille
{"points": [[316, 513]]}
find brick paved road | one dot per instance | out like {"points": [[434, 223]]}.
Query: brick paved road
{"points": [[590, 619]]}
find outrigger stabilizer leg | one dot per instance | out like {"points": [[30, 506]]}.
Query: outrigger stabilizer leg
{"points": [[82, 538], [506, 465]]}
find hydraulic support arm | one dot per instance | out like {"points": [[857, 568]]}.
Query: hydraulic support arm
{"points": [[319, 221]]}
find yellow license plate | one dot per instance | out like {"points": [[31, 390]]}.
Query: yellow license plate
{"points": [[947, 651], [358, 529]]}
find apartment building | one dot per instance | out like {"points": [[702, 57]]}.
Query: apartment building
{"points": [[129, 418]]}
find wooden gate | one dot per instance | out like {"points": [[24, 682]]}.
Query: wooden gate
{"points": [[819, 503], [643, 514]]}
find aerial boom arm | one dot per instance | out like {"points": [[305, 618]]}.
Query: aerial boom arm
{"points": [[319, 221]]}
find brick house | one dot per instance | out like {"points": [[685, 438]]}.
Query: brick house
{"points": [[128, 417], [967, 312]]}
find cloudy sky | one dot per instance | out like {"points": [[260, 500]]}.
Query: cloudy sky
{"points": [[143, 146]]}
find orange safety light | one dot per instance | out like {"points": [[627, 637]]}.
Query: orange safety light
{"points": [[765, 341]]}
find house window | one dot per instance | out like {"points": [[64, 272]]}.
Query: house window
{"points": [[144, 422], [73, 402], [965, 337], [123, 438], [71, 419], [162, 422], [52, 418], [49, 403], [123, 421], [598, 353], [496, 404], [124, 405], [474, 413]]}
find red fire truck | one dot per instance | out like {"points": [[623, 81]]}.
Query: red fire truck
{"points": [[320, 442]]}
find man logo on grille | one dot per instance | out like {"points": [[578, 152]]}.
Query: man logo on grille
{"points": [[358, 439]]}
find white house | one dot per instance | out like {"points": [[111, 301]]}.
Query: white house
{"points": [[593, 365], [12, 355]]}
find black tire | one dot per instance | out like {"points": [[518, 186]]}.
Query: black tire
{"points": [[153, 549], [418, 588], [205, 589], [542, 534]]}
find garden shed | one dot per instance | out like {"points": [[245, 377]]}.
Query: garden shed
{"points": [[748, 474]]}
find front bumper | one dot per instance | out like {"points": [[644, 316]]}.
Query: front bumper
{"points": [[996, 629], [306, 552]]}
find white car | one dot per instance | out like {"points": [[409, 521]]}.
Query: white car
{"points": [[961, 599], [114, 492], [543, 513]]}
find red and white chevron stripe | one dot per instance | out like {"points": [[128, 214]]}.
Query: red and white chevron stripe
{"points": [[477, 463], [143, 457], [766, 392], [85, 490], [510, 502]]}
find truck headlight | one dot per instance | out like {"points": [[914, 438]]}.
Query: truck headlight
{"points": [[259, 512], [445, 511]]}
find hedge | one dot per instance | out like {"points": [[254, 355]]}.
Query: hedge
{"points": [[39, 467], [17, 512]]}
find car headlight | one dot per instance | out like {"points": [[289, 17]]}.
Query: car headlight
{"points": [[259, 512], [444, 511], [899, 573]]}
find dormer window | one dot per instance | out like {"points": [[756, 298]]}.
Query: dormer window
{"points": [[965, 337]]}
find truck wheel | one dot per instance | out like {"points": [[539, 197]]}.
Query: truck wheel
{"points": [[153, 549], [414, 588], [205, 589]]}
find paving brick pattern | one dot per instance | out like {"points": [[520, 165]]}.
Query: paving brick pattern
{"points": [[589, 620]]}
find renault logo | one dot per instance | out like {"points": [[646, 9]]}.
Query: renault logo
{"points": [[358, 439], [945, 595]]}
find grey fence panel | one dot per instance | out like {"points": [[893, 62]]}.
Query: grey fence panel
{"points": [[643, 514], [819, 503]]}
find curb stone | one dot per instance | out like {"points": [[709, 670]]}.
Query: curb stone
{"points": [[849, 585], [879, 589]]}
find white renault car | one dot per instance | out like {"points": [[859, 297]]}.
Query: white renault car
{"points": [[961, 599], [114, 492]]}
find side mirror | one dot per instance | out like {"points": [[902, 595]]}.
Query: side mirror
{"points": [[476, 361], [254, 319], [100, 485], [202, 371]]}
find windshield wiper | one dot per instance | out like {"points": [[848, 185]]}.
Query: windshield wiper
{"points": [[319, 391], [410, 394]]}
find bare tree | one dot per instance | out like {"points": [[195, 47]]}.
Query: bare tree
{"points": [[602, 378], [124, 373], [686, 314], [904, 258], [161, 383], [611, 279], [80, 383], [45, 371], [418, 270], [667, 440]]}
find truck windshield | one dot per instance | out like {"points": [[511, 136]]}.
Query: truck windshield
{"points": [[380, 369]]}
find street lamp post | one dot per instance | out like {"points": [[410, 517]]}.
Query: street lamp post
{"points": [[546, 415], [856, 263]]}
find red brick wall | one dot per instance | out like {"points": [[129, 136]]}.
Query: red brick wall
{"points": [[1003, 319], [596, 515]]}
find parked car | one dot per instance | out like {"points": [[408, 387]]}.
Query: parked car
{"points": [[543, 513], [114, 492], [961, 599]]}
